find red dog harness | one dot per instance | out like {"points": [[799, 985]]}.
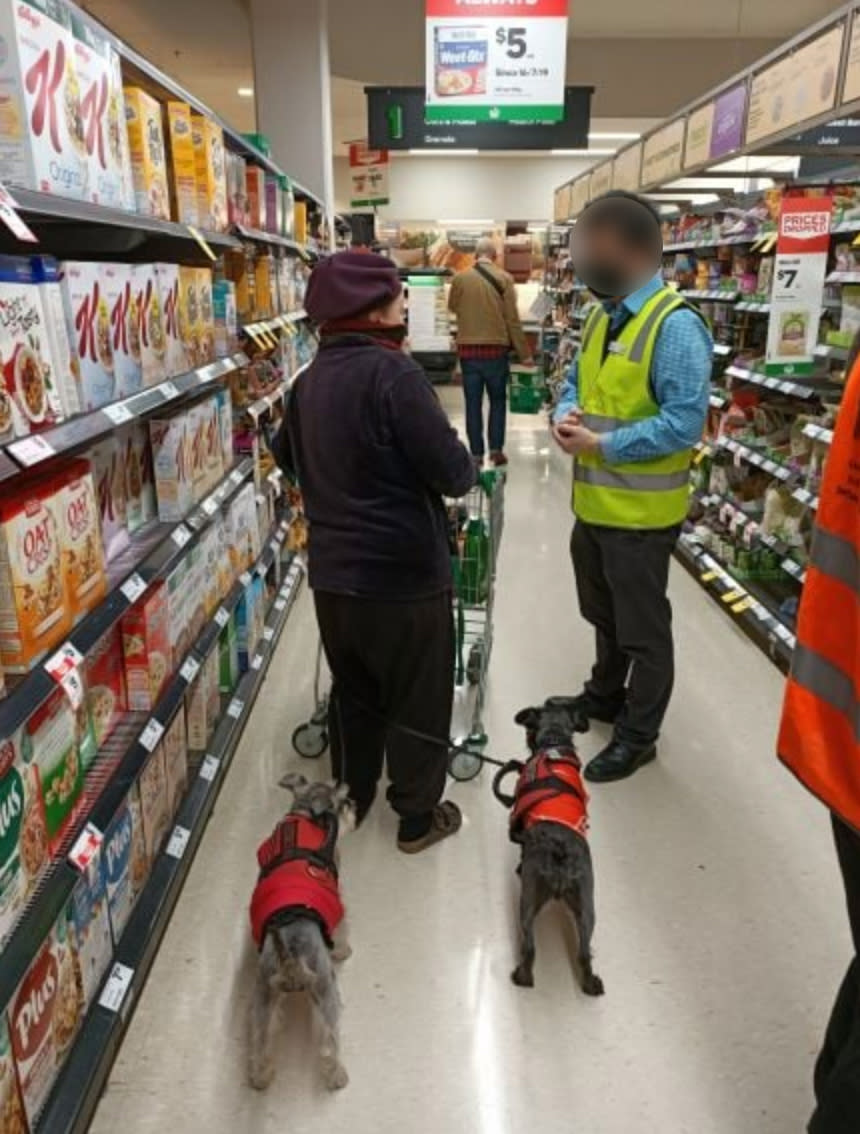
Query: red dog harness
{"points": [[298, 875], [550, 790]]}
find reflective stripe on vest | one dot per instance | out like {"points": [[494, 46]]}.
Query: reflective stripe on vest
{"points": [[615, 391], [819, 738]]}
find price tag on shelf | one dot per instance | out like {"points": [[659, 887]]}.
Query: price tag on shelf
{"points": [[280, 604], [209, 506], [169, 391], [86, 847], [208, 373], [732, 596], [119, 413], [222, 617], [31, 450], [709, 576], [268, 633], [190, 669], [245, 578], [181, 536], [235, 708], [177, 842], [209, 768], [744, 604], [151, 735], [9, 216], [67, 659], [783, 632], [202, 241], [116, 987], [237, 476], [133, 587], [257, 662]]}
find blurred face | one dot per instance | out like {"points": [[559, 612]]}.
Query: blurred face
{"points": [[391, 316], [617, 247]]}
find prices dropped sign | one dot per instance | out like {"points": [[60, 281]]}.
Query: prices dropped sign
{"points": [[496, 60]]}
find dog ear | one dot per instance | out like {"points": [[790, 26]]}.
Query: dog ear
{"points": [[528, 718], [293, 781]]}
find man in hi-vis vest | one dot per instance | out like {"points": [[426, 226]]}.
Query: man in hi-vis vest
{"points": [[819, 739], [633, 406]]}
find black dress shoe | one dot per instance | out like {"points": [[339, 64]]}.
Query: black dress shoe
{"points": [[584, 705], [617, 761]]}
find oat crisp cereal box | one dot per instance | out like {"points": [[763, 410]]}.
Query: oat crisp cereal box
{"points": [[125, 331], [148, 157], [154, 807], [125, 864], [171, 457], [88, 324], [89, 922], [153, 341], [33, 612], [183, 163], [44, 1017], [146, 648], [175, 746], [107, 461], [23, 834], [106, 684], [13, 1120], [64, 358], [176, 356], [84, 572], [210, 173]]}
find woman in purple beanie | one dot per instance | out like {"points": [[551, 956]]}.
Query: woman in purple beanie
{"points": [[375, 454]]}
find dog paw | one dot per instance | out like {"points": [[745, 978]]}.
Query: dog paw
{"points": [[260, 1075], [523, 978], [341, 953], [336, 1077], [593, 986]]}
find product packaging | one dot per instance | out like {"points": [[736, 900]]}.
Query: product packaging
{"points": [[89, 921], [84, 573], [107, 461], [210, 173], [249, 619], [106, 684], [175, 745], [24, 845], [237, 193], [225, 417], [226, 319], [203, 705], [124, 862], [153, 802], [12, 1116], [148, 159], [289, 205], [207, 314], [179, 608], [272, 202], [228, 655], [153, 343], [244, 534], [171, 458], [182, 163], [88, 325], [62, 746], [125, 328], [141, 503], [176, 356], [64, 360], [189, 316], [255, 185], [146, 648]]}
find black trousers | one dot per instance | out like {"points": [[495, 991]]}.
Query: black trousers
{"points": [[837, 1072], [622, 578], [391, 663]]}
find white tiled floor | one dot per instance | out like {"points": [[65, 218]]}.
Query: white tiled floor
{"points": [[721, 933]]}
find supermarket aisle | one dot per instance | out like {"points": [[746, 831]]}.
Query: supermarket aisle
{"points": [[720, 925]]}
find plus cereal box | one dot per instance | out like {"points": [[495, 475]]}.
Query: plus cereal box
{"points": [[125, 866], [148, 156], [84, 572], [176, 356], [89, 328], [13, 1120], [125, 328], [146, 648], [153, 343], [23, 834], [89, 923]]}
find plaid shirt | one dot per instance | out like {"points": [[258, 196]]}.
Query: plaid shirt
{"points": [[482, 350]]}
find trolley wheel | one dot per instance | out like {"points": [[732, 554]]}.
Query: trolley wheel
{"points": [[310, 740], [464, 766], [475, 665]]}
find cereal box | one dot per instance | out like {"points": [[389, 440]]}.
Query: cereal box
{"points": [[189, 316], [89, 921], [141, 504], [28, 397], [274, 204], [88, 325], [106, 684], [196, 598], [244, 533], [33, 612], [209, 570], [23, 834], [146, 648], [210, 173], [249, 621], [171, 456], [125, 864], [179, 608], [225, 419], [64, 360], [175, 745], [207, 314], [203, 705], [154, 807], [54, 734], [42, 128], [44, 1017], [176, 356], [148, 158], [228, 655], [125, 336], [84, 573], [183, 163], [12, 1117], [153, 342], [226, 318], [237, 193], [107, 461], [255, 186]]}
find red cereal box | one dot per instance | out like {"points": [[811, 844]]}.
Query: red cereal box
{"points": [[146, 648], [106, 684]]}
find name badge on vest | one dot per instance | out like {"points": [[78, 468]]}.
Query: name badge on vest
{"points": [[617, 348]]}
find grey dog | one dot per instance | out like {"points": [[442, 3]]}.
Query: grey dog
{"points": [[549, 821], [298, 944]]}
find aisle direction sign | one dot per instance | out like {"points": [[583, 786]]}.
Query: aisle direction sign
{"points": [[496, 60], [368, 170]]}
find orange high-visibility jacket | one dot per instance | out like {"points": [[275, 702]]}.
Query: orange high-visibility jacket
{"points": [[819, 737]]}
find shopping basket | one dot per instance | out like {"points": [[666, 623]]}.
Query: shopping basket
{"points": [[527, 391]]}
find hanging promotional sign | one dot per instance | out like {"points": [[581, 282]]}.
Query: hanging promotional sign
{"points": [[496, 60], [368, 171], [798, 281]]}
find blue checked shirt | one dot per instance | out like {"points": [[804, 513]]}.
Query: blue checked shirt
{"points": [[680, 380]]}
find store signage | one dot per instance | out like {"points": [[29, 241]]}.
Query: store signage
{"points": [[496, 60], [395, 121], [368, 171], [796, 88], [798, 280], [851, 90], [663, 153], [601, 179], [627, 167], [700, 126], [727, 130], [580, 195]]}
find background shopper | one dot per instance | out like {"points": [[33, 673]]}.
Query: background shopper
{"points": [[819, 738], [633, 406], [484, 299], [375, 454]]}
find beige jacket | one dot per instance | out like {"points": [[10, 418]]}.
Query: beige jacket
{"points": [[483, 317]]}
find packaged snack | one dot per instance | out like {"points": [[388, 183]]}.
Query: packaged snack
{"points": [[124, 862], [107, 461], [28, 397], [97, 67], [209, 569], [210, 173], [84, 573], [244, 535], [207, 314], [33, 612], [89, 920], [146, 648], [62, 746], [226, 320], [154, 808], [64, 360], [125, 344], [44, 1017], [249, 622], [106, 684], [203, 705], [189, 315], [225, 418], [44, 151], [195, 599], [196, 418], [237, 194], [263, 286], [153, 342], [271, 217], [228, 656], [141, 504], [171, 458], [88, 324], [23, 833], [223, 530], [148, 160], [175, 745], [182, 163], [300, 222], [256, 192], [13, 1120], [176, 356], [289, 202]]}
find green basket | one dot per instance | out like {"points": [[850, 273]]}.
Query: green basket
{"points": [[526, 399], [526, 376]]}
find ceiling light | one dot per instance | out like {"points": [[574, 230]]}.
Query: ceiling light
{"points": [[245, 92], [444, 153], [599, 136]]}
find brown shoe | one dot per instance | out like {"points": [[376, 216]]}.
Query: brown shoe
{"points": [[447, 820], [499, 459]]}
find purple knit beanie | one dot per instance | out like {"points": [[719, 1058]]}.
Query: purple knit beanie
{"points": [[349, 284]]}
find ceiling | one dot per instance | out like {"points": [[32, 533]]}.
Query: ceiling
{"points": [[644, 57]]}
